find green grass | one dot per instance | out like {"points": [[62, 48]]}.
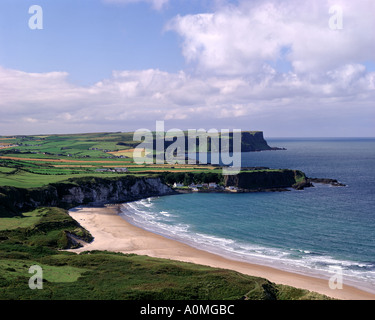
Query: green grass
{"points": [[15, 269], [77, 145], [32, 174], [24, 179], [110, 276], [6, 170], [26, 220], [47, 231], [300, 177]]}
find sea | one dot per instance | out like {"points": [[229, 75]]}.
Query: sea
{"points": [[324, 231]]}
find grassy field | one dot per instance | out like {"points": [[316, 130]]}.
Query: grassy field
{"points": [[34, 161], [27, 220], [24, 179]]}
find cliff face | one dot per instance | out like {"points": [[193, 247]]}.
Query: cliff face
{"points": [[253, 141], [250, 141], [256, 180], [98, 191], [76, 192]]}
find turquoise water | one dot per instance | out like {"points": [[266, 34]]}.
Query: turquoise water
{"points": [[309, 231]]}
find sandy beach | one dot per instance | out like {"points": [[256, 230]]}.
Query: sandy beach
{"points": [[113, 233]]}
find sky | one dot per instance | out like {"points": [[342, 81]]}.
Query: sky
{"points": [[289, 68]]}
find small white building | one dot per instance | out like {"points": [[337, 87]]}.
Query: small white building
{"points": [[118, 170], [231, 188], [177, 185], [212, 185]]}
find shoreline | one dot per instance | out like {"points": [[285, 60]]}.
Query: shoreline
{"points": [[111, 232]]}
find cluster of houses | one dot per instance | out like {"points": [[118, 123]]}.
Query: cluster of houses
{"points": [[104, 150], [29, 145], [118, 170], [8, 145], [109, 157], [206, 186]]}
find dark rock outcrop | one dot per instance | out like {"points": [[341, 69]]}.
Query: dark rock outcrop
{"points": [[332, 182], [302, 185], [250, 141], [268, 179], [253, 141]]}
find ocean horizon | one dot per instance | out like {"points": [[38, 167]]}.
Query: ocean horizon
{"points": [[315, 232]]}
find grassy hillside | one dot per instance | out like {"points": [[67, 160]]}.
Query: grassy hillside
{"points": [[100, 145], [105, 275]]}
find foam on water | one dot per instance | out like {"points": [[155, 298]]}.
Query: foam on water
{"points": [[295, 260]]}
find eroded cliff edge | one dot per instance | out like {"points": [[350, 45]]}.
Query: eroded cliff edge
{"points": [[81, 191], [98, 191]]}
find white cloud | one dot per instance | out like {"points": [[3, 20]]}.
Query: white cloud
{"points": [[32, 120], [130, 100], [240, 39]]}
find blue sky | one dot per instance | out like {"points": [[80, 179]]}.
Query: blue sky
{"points": [[120, 65], [88, 39], [91, 38]]}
